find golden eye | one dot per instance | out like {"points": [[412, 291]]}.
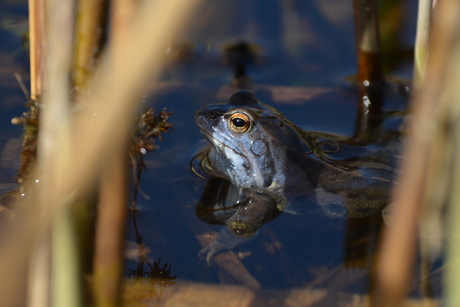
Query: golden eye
{"points": [[241, 229], [239, 122]]}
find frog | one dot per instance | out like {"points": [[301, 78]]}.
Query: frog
{"points": [[260, 152]]}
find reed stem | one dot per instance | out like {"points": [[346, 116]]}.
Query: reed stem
{"points": [[430, 156], [89, 36], [368, 41], [370, 71], [113, 189], [421, 40]]}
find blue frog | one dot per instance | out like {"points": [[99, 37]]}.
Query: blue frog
{"points": [[259, 150]]}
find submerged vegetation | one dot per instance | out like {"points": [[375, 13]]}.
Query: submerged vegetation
{"points": [[148, 127]]}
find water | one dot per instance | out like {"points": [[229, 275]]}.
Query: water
{"points": [[305, 81], [290, 251], [13, 59], [304, 54]]}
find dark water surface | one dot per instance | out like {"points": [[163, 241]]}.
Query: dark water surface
{"points": [[304, 55], [13, 59]]}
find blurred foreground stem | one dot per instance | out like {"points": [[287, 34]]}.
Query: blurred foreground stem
{"points": [[89, 34], [96, 131], [66, 278], [430, 168], [421, 40], [113, 190], [110, 233], [54, 153]]}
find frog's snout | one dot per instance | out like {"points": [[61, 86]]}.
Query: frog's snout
{"points": [[210, 115]]}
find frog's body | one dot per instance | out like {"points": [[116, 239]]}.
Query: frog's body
{"points": [[258, 150]]}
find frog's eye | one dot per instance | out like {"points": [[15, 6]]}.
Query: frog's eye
{"points": [[239, 122], [241, 229]]}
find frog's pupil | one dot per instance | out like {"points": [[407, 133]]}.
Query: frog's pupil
{"points": [[239, 122], [240, 232]]}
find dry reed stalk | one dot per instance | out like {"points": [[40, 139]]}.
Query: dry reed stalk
{"points": [[122, 12], [110, 232], [370, 70], [37, 30], [113, 190], [451, 279], [399, 242], [368, 41], [441, 211], [424, 168], [36, 38], [421, 40], [90, 34], [98, 130], [38, 276], [54, 155], [89, 31], [39, 279]]}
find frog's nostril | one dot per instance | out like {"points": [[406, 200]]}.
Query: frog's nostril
{"points": [[211, 115]]}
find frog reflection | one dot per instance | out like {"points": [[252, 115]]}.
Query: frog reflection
{"points": [[243, 213], [264, 155]]}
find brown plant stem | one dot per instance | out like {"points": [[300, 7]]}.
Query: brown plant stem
{"points": [[424, 156], [37, 28], [89, 31], [110, 233], [38, 280], [368, 41], [54, 155], [421, 40], [370, 70], [113, 193]]}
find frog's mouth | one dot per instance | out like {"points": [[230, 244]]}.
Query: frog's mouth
{"points": [[203, 155], [218, 143], [210, 138], [204, 126]]}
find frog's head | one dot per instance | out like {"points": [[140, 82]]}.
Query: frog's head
{"points": [[250, 142]]}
